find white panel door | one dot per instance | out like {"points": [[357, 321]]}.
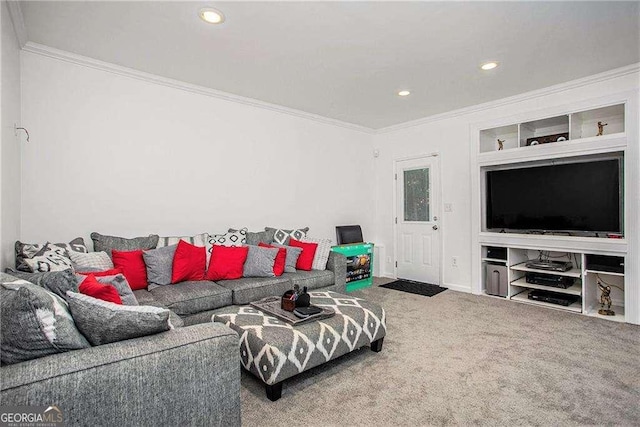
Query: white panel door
{"points": [[417, 234]]}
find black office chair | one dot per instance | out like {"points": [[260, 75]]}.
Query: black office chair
{"points": [[346, 234]]}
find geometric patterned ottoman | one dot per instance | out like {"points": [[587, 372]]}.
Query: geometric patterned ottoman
{"points": [[274, 350]]}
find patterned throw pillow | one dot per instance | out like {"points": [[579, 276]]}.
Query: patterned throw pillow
{"points": [[282, 236], [255, 237], [104, 322], [29, 250], [197, 240], [230, 238], [92, 260], [35, 322], [322, 252], [49, 258], [108, 243], [292, 257]]}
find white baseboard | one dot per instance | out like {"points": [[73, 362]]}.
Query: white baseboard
{"points": [[458, 288]]}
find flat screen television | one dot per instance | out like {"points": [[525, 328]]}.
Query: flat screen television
{"points": [[572, 197]]}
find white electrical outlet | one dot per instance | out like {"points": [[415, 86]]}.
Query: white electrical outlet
{"points": [[448, 207], [454, 261]]}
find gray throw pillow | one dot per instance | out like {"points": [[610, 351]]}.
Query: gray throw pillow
{"points": [[282, 236], [293, 253], [159, 265], [29, 250], [119, 282], [102, 322], [259, 262], [58, 282], [255, 238], [99, 261], [109, 243], [35, 322]]}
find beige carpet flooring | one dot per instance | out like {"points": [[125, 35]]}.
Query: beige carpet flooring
{"points": [[457, 358]]}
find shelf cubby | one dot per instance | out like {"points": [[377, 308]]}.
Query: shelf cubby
{"points": [[584, 124], [489, 138], [543, 127]]}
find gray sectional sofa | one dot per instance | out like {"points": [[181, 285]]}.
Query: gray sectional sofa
{"points": [[187, 376]]}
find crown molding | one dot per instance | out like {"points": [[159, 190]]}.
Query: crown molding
{"points": [[17, 19], [573, 84], [87, 62]]}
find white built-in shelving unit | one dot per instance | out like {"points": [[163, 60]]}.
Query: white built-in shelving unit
{"points": [[576, 126]]}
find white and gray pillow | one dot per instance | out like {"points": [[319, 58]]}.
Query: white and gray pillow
{"points": [[322, 252], [102, 243], [29, 250], [35, 322], [282, 236], [49, 258], [259, 262], [103, 322], [159, 264], [293, 253], [197, 240], [230, 238], [99, 261]]}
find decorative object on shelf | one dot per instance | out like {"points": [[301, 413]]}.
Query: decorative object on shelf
{"points": [[601, 128], [605, 300], [548, 139], [500, 144]]}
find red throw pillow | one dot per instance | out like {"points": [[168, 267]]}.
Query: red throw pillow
{"points": [[111, 272], [90, 286], [133, 267], [281, 258], [227, 262], [189, 262], [305, 260]]}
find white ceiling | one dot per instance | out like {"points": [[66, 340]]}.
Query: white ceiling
{"points": [[347, 60]]}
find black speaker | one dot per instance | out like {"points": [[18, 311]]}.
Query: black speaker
{"points": [[495, 252], [612, 264]]}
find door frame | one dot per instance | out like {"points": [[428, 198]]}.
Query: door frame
{"points": [[438, 211]]}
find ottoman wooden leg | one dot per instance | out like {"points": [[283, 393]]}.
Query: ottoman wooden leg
{"points": [[274, 392], [377, 345]]}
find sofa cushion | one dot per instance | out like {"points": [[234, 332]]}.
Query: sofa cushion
{"points": [[260, 262], [103, 322], [192, 297], [90, 286], [249, 289], [35, 322], [58, 282], [321, 256], [255, 237], [133, 267], [108, 243], [305, 260], [144, 297], [293, 254], [189, 263], [313, 279], [118, 281], [197, 240], [282, 236]]}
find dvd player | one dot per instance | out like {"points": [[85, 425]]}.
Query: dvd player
{"points": [[552, 297], [549, 265], [551, 280]]}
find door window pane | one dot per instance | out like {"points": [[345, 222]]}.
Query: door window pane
{"points": [[416, 195]]}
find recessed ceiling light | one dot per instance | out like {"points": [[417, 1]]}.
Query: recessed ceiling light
{"points": [[211, 15], [404, 93], [489, 66]]}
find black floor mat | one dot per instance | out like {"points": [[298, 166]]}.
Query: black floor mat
{"points": [[412, 287]]}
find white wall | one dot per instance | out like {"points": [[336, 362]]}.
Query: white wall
{"points": [[451, 138], [128, 157], [10, 144]]}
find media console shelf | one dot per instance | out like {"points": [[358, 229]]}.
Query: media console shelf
{"points": [[584, 286]]}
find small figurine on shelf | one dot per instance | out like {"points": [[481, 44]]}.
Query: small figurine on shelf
{"points": [[601, 128], [605, 300], [500, 144]]}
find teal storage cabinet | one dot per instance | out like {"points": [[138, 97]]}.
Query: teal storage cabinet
{"points": [[359, 264]]}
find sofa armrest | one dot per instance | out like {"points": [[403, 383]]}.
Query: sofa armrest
{"points": [[338, 264], [187, 376]]}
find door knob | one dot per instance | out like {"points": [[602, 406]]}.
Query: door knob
{"points": [[435, 227]]}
